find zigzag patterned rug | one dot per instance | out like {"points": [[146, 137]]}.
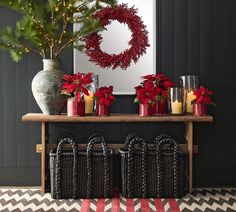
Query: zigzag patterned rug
{"points": [[206, 200]]}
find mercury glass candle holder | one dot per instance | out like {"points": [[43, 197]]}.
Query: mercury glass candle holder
{"points": [[189, 83], [176, 101], [89, 100]]}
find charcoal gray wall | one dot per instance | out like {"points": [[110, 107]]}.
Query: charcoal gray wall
{"points": [[193, 37]]}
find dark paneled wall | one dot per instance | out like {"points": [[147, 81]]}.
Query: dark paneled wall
{"points": [[193, 37]]}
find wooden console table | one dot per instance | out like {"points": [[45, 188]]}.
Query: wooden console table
{"points": [[45, 147]]}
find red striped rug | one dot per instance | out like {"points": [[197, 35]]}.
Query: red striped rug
{"points": [[120, 204], [202, 200]]}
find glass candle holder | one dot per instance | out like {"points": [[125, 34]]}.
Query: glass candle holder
{"points": [[145, 110], [75, 107], [189, 84], [102, 110], [176, 101], [89, 100]]}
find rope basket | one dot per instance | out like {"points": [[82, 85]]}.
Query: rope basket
{"points": [[152, 172], [80, 173]]}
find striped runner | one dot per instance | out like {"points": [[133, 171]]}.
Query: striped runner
{"points": [[20, 200]]}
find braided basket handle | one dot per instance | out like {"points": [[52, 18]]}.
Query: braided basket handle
{"points": [[129, 138], [95, 135], [168, 141], [159, 138], [137, 140], [159, 146], [96, 138], [131, 166], [66, 135], [59, 165]]}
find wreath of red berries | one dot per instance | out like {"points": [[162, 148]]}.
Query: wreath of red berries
{"points": [[138, 43]]}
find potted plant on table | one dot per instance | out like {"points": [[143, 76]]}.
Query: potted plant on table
{"points": [[104, 98], [161, 85], [45, 29], [145, 97], [203, 98], [76, 86]]}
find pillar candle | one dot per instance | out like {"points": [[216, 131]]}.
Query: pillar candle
{"points": [[176, 107], [189, 99], [89, 103]]}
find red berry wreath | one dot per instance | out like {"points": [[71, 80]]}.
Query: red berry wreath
{"points": [[138, 43]]}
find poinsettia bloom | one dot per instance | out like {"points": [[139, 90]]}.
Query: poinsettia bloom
{"points": [[137, 88], [68, 78], [150, 77], [105, 95], [145, 93], [203, 96], [161, 83], [77, 84]]}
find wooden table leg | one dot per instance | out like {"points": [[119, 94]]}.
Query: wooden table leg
{"points": [[44, 158], [189, 141]]}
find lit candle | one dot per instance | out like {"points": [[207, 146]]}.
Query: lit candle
{"points": [[176, 107], [89, 103], [189, 83], [189, 106]]}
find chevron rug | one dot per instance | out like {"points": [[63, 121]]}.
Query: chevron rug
{"points": [[207, 200]]}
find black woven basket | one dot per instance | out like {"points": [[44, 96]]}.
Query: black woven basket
{"points": [[152, 172], [81, 173]]}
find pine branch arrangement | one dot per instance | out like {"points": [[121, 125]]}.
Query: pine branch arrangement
{"points": [[44, 27]]}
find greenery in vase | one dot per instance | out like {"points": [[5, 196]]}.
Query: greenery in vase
{"points": [[45, 26]]}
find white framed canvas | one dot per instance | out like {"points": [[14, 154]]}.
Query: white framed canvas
{"points": [[115, 40]]}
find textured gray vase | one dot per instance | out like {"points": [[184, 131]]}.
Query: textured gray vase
{"points": [[46, 88]]}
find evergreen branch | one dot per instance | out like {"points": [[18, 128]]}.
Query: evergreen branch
{"points": [[65, 45], [65, 22], [33, 50], [84, 4], [44, 29], [21, 47], [72, 40]]}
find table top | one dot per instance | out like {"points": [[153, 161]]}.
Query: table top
{"points": [[39, 117]]}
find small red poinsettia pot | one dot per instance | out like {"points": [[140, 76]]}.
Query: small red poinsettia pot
{"points": [[105, 98], [76, 86], [161, 85], [75, 107], [145, 97], [203, 98]]}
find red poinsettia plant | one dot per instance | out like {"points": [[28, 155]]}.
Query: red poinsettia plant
{"points": [[145, 93], [161, 84], [153, 87], [104, 96], [203, 96], [77, 85]]}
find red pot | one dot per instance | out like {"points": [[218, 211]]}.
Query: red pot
{"points": [[145, 110], [75, 108], [102, 110], [199, 109], [160, 107]]}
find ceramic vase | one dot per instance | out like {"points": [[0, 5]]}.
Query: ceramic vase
{"points": [[46, 88]]}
